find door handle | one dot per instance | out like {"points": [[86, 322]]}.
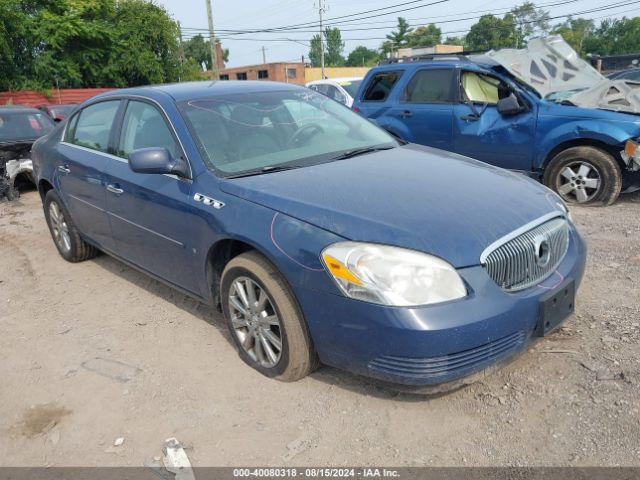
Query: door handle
{"points": [[406, 114], [114, 189], [63, 169], [470, 118]]}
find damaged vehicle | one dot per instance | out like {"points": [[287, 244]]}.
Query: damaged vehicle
{"points": [[19, 128], [322, 237], [541, 111]]}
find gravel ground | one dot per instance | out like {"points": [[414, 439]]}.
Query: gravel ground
{"points": [[96, 351]]}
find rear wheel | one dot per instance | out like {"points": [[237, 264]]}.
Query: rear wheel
{"points": [[584, 175], [263, 317], [65, 235]]}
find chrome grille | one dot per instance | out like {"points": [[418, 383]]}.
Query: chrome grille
{"points": [[527, 256]]}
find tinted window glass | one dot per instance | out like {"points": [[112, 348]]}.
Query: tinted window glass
{"points": [[144, 127], [23, 125], [380, 86], [351, 87], [483, 88], [94, 126], [430, 86], [247, 132]]}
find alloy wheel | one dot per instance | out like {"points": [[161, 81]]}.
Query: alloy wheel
{"points": [[579, 182], [255, 322], [59, 227]]}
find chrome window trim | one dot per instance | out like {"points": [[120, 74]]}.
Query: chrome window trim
{"points": [[516, 233], [120, 98]]}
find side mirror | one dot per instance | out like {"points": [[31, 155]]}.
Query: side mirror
{"points": [[157, 160], [509, 105]]}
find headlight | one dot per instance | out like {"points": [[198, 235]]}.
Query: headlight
{"points": [[390, 275]]}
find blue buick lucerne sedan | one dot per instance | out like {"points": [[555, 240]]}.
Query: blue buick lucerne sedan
{"points": [[322, 238]]}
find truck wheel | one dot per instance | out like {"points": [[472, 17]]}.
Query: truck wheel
{"points": [[264, 319], [584, 175], [64, 232]]}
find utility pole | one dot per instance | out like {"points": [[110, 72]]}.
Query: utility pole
{"points": [[321, 10], [212, 43], [264, 55]]}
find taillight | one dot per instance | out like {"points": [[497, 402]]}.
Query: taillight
{"points": [[355, 109]]}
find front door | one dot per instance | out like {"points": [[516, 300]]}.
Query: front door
{"points": [[150, 214], [481, 132], [426, 107], [80, 170]]}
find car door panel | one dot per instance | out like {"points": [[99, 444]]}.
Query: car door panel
{"points": [[151, 222], [481, 132], [80, 171], [151, 215]]}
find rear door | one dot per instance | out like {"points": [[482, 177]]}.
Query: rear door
{"points": [[83, 155], [481, 132], [150, 214], [376, 99], [425, 107]]}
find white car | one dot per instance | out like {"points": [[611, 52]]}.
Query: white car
{"points": [[341, 90]]}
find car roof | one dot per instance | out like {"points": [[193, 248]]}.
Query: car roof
{"points": [[471, 61], [197, 90], [335, 80], [18, 109]]}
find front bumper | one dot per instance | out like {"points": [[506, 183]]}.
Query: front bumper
{"points": [[435, 344]]}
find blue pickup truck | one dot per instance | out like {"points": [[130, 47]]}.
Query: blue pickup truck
{"points": [[474, 107]]}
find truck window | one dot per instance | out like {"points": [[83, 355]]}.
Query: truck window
{"points": [[380, 86], [430, 86], [480, 88]]}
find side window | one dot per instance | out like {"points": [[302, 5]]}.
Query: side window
{"points": [[335, 94], [144, 126], [480, 88], [430, 86], [91, 128], [380, 86]]}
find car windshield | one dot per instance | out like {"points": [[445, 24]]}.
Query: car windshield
{"points": [[351, 87], [563, 95], [261, 131], [15, 126]]}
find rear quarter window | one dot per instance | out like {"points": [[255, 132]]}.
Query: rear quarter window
{"points": [[380, 86]]}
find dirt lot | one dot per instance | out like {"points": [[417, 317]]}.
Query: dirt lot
{"points": [[96, 351]]}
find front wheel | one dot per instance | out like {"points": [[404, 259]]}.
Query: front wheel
{"points": [[584, 175], [264, 319]]}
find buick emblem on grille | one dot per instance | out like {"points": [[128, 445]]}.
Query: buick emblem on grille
{"points": [[542, 251]]}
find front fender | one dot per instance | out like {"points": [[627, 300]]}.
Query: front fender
{"points": [[566, 130]]}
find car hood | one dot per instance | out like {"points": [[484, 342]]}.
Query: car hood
{"points": [[414, 197], [550, 108]]}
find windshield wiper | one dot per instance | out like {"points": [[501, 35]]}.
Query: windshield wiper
{"points": [[359, 151], [267, 169]]}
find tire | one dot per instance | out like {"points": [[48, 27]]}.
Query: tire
{"points": [[296, 356], [70, 246], [584, 175]]}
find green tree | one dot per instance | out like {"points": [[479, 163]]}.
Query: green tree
{"points": [[397, 38], [362, 56], [491, 32], [575, 31], [197, 48], [335, 47], [425, 36], [455, 41], [528, 20], [315, 51], [613, 37]]}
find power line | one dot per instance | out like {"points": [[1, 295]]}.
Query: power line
{"points": [[389, 25], [594, 10]]}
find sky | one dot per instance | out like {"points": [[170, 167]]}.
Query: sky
{"points": [[450, 15]]}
